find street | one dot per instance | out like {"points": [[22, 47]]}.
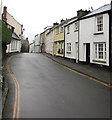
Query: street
{"points": [[49, 90]]}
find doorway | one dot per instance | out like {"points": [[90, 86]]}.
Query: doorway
{"points": [[87, 52]]}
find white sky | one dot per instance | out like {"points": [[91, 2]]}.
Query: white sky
{"points": [[35, 15]]}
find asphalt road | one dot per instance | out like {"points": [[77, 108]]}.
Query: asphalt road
{"points": [[48, 90]]}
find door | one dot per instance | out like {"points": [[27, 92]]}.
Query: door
{"points": [[88, 53]]}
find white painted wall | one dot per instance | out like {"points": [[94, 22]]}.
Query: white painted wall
{"points": [[87, 30], [37, 43], [72, 38], [14, 46], [31, 48]]}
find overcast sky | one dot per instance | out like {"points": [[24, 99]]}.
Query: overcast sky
{"points": [[35, 15]]}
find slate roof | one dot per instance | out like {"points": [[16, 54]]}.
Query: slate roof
{"points": [[71, 20], [14, 36], [99, 10]]}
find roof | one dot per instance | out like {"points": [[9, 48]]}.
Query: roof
{"points": [[102, 9], [15, 36], [71, 20]]}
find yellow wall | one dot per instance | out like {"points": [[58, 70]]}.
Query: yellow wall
{"points": [[58, 38]]}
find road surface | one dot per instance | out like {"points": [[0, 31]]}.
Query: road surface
{"points": [[49, 90]]}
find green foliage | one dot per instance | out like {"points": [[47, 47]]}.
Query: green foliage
{"points": [[6, 33]]}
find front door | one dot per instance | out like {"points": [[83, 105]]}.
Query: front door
{"points": [[88, 53]]}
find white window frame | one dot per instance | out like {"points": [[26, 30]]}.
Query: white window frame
{"points": [[100, 51], [76, 26], [68, 29], [13, 45], [69, 47], [99, 23]]}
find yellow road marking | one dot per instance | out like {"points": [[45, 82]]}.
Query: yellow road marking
{"points": [[81, 74], [16, 108]]}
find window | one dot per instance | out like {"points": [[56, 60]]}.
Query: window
{"points": [[13, 45], [61, 29], [76, 26], [99, 23], [68, 29], [100, 51], [68, 47], [57, 30]]}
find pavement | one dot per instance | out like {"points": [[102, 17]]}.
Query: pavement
{"points": [[100, 73]]}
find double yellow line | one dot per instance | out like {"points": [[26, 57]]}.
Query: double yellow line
{"points": [[16, 108], [81, 74]]}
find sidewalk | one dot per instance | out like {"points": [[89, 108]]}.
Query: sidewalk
{"points": [[96, 72]]}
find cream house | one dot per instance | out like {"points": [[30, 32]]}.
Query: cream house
{"points": [[15, 45]]}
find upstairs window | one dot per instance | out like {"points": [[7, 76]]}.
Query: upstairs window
{"points": [[61, 29], [68, 29], [99, 23], [76, 26], [57, 30]]}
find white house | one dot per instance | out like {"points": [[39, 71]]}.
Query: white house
{"points": [[50, 41], [47, 40], [94, 36], [15, 45], [71, 39], [31, 49], [37, 43]]}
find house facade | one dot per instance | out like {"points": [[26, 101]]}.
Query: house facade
{"points": [[42, 42], [31, 48], [94, 36], [25, 45], [47, 41], [15, 45], [71, 38], [59, 39], [50, 41], [37, 43]]}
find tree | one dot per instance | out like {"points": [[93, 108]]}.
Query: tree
{"points": [[5, 35]]}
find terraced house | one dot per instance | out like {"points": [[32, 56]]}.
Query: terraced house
{"points": [[59, 39], [15, 45], [95, 42]]}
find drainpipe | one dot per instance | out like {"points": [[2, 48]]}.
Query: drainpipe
{"points": [[110, 58], [78, 39], [110, 38]]}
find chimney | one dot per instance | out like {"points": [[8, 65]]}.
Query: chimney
{"points": [[54, 24], [62, 21], [5, 14], [81, 13]]}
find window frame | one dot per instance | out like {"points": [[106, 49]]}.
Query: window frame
{"points": [[100, 51], [99, 24], [76, 26], [68, 29], [69, 47]]}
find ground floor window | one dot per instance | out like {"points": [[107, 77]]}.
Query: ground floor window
{"points": [[100, 51], [13, 45], [68, 47]]}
